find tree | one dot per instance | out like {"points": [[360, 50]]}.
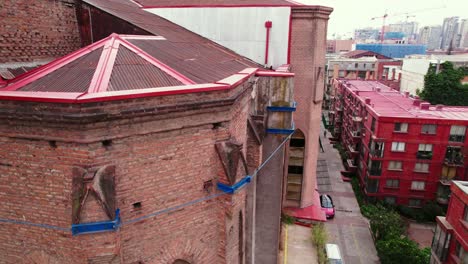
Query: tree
{"points": [[401, 250], [445, 87]]}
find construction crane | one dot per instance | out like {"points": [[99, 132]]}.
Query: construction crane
{"points": [[407, 14]]}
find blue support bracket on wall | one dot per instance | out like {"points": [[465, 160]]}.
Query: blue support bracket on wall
{"points": [[281, 131], [232, 189], [97, 227], [282, 108]]}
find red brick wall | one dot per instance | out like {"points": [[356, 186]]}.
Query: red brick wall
{"points": [[37, 30], [162, 159]]}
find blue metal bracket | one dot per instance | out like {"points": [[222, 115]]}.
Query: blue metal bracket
{"points": [[97, 227], [282, 108], [232, 189], [281, 131]]}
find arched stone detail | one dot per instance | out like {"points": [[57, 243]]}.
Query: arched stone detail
{"points": [[178, 250]]}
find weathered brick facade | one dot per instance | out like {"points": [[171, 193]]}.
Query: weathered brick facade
{"points": [[163, 157], [50, 31]]}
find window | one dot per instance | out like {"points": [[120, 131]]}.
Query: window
{"points": [[429, 129], [424, 151], [401, 127], [375, 167], [461, 253], [421, 167], [341, 74], [372, 127], [390, 199], [418, 185], [448, 172], [372, 185], [398, 146], [355, 65], [441, 243], [392, 183], [457, 133], [395, 165], [414, 202], [465, 215]]}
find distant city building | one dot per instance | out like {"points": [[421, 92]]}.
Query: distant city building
{"points": [[393, 50], [415, 67], [410, 29], [450, 243], [430, 36], [366, 35], [463, 34], [403, 150], [449, 33], [339, 45]]}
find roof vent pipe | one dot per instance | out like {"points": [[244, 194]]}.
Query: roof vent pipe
{"points": [[367, 100], [425, 106], [378, 89], [268, 25], [439, 107], [406, 94], [416, 102]]}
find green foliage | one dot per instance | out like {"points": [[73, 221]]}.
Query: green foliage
{"points": [[445, 87], [287, 219], [401, 250], [319, 238], [341, 151], [386, 223], [427, 213]]}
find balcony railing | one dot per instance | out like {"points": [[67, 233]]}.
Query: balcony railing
{"points": [[454, 156], [376, 153], [424, 155], [375, 172], [356, 134]]}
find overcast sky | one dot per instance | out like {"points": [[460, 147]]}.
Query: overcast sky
{"points": [[348, 14]]}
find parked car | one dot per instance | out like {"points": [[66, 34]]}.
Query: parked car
{"points": [[333, 254], [327, 205]]}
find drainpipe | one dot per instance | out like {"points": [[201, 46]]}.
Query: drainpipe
{"points": [[268, 25]]}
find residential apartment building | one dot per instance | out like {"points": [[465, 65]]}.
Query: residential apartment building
{"points": [[449, 33], [430, 36], [339, 45], [404, 151], [450, 242]]}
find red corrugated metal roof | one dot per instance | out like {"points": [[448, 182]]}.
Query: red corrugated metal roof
{"points": [[201, 3], [112, 64], [387, 102]]}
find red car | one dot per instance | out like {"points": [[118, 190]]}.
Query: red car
{"points": [[326, 203]]}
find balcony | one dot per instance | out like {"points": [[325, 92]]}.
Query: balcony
{"points": [[356, 119], [424, 155], [443, 193], [375, 172], [356, 134], [352, 149], [350, 165], [454, 156], [376, 153]]}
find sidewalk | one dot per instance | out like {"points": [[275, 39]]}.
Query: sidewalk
{"points": [[299, 248], [349, 229]]}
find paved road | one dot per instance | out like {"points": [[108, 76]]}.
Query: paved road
{"points": [[349, 229]]}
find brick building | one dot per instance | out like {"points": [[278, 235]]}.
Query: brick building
{"points": [[148, 136], [450, 242], [403, 150]]}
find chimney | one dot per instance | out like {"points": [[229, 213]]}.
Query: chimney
{"points": [[439, 107], [425, 106], [367, 100], [406, 94], [416, 102]]}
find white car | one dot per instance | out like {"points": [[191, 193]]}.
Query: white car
{"points": [[333, 254]]}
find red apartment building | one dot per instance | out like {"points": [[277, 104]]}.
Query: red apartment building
{"points": [[450, 242], [403, 150]]}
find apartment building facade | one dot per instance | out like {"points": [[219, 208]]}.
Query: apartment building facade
{"points": [[450, 242], [403, 150]]}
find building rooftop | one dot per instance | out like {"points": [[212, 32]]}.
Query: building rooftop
{"points": [[462, 185], [364, 54], [211, 3], [386, 102], [117, 66]]}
